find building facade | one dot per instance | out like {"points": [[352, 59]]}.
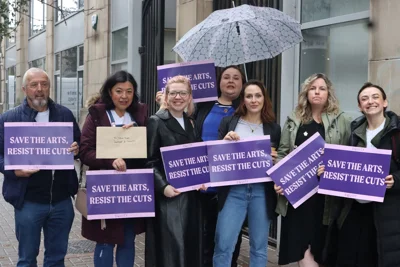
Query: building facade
{"points": [[80, 42]]}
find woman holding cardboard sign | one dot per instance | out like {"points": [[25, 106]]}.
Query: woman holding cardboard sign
{"points": [[172, 236], [254, 117], [117, 105], [304, 229]]}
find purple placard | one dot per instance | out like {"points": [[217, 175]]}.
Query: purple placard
{"points": [[239, 162], [114, 195], [297, 172], [38, 145], [186, 166], [355, 172], [201, 74]]}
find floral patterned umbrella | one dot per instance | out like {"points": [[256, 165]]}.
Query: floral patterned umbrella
{"points": [[238, 35]]}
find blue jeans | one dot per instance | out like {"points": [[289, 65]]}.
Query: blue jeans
{"points": [[242, 200], [55, 220], [125, 254]]}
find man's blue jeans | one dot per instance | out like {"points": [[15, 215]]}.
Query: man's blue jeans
{"points": [[243, 200], [55, 220], [125, 254]]}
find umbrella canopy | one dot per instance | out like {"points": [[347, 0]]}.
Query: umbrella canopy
{"points": [[239, 35]]}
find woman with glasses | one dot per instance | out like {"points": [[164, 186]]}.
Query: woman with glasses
{"points": [[172, 236], [207, 116]]}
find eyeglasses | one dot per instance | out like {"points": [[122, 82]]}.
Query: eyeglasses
{"points": [[43, 85], [183, 94]]}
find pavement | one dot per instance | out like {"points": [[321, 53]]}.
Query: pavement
{"points": [[80, 250]]}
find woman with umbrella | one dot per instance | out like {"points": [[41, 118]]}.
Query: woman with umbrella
{"points": [[304, 229]]}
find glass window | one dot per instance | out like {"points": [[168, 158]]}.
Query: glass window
{"points": [[68, 83], [37, 18], [312, 10], [67, 7], [10, 41], [12, 17], [120, 44], [38, 63], [69, 62], [81, 59], [58, 61], [340, 51], [119, 66], [11, 84]]}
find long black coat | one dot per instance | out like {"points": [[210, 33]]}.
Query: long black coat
{"points": [[386, 214], [274, 130], [172, 236]]}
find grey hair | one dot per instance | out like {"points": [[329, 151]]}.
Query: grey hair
{"points": [[32, 70]]}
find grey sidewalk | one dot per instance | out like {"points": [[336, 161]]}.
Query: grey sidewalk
{"points": [[80, 250]]}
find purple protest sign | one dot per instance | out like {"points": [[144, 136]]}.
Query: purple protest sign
{"points": [[355, 172], [113, 195], [201, 74], [186, 166], [239, 162], [37, 145], [297, 172]]}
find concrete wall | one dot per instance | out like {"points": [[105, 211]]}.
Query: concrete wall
{"points": [[96, 48], [384, 61], [190, 13]]}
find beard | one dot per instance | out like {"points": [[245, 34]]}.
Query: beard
{"points": [[39, 103]]}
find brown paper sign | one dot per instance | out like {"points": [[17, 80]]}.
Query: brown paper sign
{"points": [[116, 142]]}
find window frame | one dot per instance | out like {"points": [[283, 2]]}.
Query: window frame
{"points": [[59, 73], [56, 10], [358, 16], [31, 18], [119, 61]]}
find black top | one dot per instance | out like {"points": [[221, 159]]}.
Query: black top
{"points": [[307, 130], [302, 227]]}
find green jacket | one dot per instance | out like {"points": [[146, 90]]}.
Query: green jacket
{"points": [[337, 131]]}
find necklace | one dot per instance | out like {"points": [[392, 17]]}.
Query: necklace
{"points": [[249, 125]]}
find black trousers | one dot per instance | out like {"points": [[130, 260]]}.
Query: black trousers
{"points": [[357, 238]]}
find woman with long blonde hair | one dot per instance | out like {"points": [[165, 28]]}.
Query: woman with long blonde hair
{"points": [[304, 229]]}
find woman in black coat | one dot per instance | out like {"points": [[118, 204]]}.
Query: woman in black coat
{"points": [[172, 236], [208, 116], [369, 234]]}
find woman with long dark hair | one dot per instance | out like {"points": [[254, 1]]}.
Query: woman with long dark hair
{"points": [[118, 105]]}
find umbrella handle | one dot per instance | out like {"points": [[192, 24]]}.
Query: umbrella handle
{"points": [[245, 72]]}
